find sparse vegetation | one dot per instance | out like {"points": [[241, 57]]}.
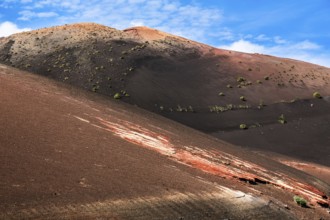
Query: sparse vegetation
{"points": [[243, 126], [243, 106], [95, 88], [181, 109], [229, 106], [117, 96], [229, 86], [241, 79], [130, 69], [242, 98], [255, 125], [261, 104], [218, 109], [221, 94], [266, 77], [317, 95], [191, 109], [300, 201], [281, 119]]}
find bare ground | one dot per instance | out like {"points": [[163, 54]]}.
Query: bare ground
{"points": [[174, 77], [66, 154]]}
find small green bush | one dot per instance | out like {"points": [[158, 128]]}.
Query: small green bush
{"points": [[243, 106], [117, 96], [179, 108], [281, 119], [317, 95], [230, 106], [300, 201], [243, 126], [190, 109], [241, 79]]}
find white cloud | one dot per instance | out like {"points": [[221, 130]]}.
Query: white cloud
{"points": [[244, 46], [190, 20], [279, 40], [46, 14], [136, 23], [136, 1], [8, 3], [304, 50], [170, 7], [186, 19], [27, 15], [7, 28], [306, 45], [262, 37]]}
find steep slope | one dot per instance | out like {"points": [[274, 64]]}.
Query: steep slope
{"points": [[209, 89], [68, 154]]}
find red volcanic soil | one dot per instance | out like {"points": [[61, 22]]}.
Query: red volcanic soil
{"points": [[182, 79], [68, 154], [75, 154], [321, 172]]}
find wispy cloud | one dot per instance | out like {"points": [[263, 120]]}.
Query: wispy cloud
{"points": [[7, 28], [188, 20], [262, 37], [28, 15], [304, 50], [245, 30], [244, 46]]}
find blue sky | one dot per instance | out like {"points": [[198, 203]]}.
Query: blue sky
{"points": [[296, 29]]}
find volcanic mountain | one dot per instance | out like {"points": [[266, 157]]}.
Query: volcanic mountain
{"points": [[206, 88], [68, 153]]}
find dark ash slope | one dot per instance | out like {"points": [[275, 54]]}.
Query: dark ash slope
{"points": [[182, 80]]}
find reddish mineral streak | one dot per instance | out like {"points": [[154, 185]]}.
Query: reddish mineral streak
{"points": [[212, 162]]}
